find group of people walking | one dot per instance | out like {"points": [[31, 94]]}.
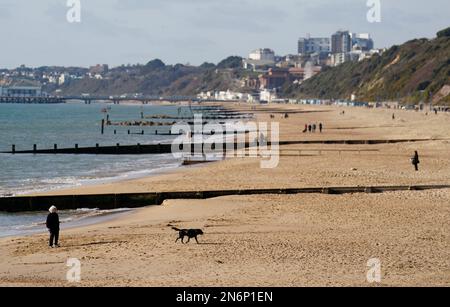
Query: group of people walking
{"points": [[312, 128]]}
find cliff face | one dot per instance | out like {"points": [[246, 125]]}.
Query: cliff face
{"points": [[189, 81], [418, 70], [156, 78]]}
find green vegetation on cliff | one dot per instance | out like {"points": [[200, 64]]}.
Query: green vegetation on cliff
{"points": [[418, 70], [157, 78]]}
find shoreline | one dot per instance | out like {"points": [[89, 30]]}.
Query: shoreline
{"points": [[281, 240], [141, 184], [83, 183]]}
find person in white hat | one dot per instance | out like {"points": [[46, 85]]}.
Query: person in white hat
{"points": [[53, 226]]}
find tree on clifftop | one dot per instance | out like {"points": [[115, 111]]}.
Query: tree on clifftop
{"points": [[207, 65], [444, 33], [231, 62], [156, 64]]}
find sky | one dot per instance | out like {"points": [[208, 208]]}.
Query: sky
{"points": [[115, 32]]}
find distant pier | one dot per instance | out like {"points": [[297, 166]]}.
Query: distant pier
{"points": [[95, 98], [32, 100]]}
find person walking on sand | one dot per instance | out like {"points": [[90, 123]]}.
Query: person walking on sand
{"points": [[415, 161], [320, 127], [306, 128], [53, 226]]}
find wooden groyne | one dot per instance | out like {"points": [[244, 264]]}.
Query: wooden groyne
{"points": [[137, 200], [209, 116], [167, 148], [156, 124], [114, 150], [356, 142]]}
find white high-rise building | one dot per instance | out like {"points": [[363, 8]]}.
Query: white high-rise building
{"points": [[63, 78], [265, 54], [339, 58]]}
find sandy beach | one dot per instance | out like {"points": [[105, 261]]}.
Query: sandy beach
{"points": [[273, 240]]}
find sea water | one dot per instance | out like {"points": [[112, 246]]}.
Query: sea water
{"points": [[67, 125]]}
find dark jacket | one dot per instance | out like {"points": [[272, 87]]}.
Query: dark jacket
{"points": [[53, 222], [415, 159]]}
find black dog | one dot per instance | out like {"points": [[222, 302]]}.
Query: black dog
{"points": [[190, 233]]}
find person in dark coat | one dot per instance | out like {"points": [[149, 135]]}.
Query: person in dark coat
{"points": [[320, 127], [306, 128], [53, 226], [415, 161]]}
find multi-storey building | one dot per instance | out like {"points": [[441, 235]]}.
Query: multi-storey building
{"points": [[307, 46], [341, 42]]}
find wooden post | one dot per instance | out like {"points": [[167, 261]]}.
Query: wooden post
{"points": [[96, 148], [76, 147], [117, 147], [13, 149], [142, 132], [128, 131], [55, 148], [103, 126], [139, 147], [34, 148], [115, 131]]}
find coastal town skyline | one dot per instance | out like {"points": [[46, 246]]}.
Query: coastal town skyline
{"points": [[133, 32]]}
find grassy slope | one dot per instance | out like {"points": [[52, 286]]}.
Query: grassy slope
{"points": [[410, 72]]}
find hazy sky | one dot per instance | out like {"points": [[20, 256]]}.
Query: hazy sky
{"points": [[114, 32]]}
